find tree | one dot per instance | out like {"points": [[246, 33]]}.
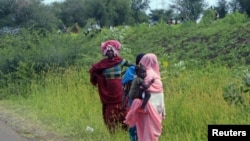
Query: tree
{"points": [[244, 6], [160, 14], [189, 9], [141, 5], [26, 13], [74, 11], [110, 12], [209, 16], [104, 12], [10, 11], [222, 8], [139, 8], [234, 5], [37, 15]]}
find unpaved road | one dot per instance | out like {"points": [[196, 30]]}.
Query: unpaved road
{"points": [[8, 134], [16, 126]]}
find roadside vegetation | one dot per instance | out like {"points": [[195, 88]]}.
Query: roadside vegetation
{"points": [[205, 71]]}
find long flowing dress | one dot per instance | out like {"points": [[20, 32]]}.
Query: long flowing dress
{"points": [[149, 126], [106, 75]]}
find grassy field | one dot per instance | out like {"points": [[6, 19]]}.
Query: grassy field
{"points": [[194, 99], [45, 76]]}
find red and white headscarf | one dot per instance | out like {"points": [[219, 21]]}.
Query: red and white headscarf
{"points": [[111, 44]]}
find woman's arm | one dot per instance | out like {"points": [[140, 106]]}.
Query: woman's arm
{"points": [[146, 86]]}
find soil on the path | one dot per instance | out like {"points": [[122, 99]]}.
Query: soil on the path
{"points": [[27, 128], [8, 134]]}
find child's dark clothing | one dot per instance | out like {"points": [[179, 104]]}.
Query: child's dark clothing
{"points": [[136, 91]]}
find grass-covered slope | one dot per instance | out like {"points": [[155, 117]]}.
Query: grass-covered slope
{"points": [[223, 42], [219, 42], [46, 77]]}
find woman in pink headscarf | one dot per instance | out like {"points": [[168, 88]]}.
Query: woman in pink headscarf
{"points": [[149, 126], [107, 76]]}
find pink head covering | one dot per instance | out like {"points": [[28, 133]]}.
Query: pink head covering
{"points": [[150, 61], [111, 44]]}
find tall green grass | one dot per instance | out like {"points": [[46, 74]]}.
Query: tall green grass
{"points": [[68, 103], [194, 100], [48, 80]]}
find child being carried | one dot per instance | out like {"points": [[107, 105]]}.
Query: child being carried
{"points": [[139, 88]]}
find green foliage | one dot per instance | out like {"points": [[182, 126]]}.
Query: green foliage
{"points": [[23, 13], [117, 33], [6, 13], [244, 6], [188, 9], [233, 95], [236, 93], [48, 72], [39, 51], [69, 104], [72, 11], [236, 18], [208, 17], [222, 9], [246, 80], [106, 13], [26, 55], [160, 14]]}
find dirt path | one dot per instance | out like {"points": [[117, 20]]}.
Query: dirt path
{"points": [[23, 129], [8, 134]]}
